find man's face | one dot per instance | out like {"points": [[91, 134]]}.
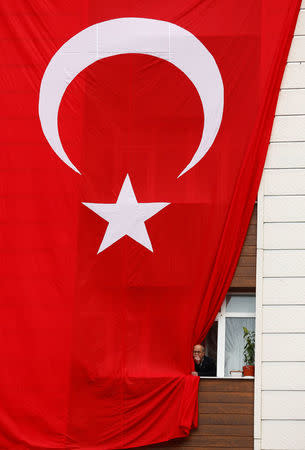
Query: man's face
{"points": [[198, 353]]}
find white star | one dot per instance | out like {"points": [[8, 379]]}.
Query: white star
{"points": [[126, 217]]}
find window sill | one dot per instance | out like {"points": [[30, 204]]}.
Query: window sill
{"points": [[228, 378]]}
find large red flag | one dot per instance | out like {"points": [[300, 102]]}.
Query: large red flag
{"points": [[133, 139]]}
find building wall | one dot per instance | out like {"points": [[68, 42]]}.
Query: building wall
{"points": [[280, 365], [244, 279]]}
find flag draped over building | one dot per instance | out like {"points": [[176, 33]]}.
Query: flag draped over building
{"points": [[133, 138]]}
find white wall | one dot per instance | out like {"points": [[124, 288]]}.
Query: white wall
{"points": [[280, 365]]}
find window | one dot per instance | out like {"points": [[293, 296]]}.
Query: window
{"points": [[224, 342]]}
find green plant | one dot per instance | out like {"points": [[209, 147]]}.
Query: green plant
{"points": [[249, 347]]}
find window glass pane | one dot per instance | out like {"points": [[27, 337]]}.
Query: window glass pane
{"points": [[240, 304], [210, 342], [235, 342]]}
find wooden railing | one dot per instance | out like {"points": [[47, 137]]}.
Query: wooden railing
{"points": [[225, 417]]}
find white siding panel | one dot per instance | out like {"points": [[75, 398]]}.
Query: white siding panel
{"points": [[284, 263], [291, 101], [283, 435], [283, 376], [297, 49], [284, 235], [288, 128], [279, 291], [285, 209], [284, 319], [283, 182], [286, 155], [300, 26], [294, 76], [257, 444], [284, 347], [283, 405]]}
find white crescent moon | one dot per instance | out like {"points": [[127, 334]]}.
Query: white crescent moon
{"points": [[158, 38]]}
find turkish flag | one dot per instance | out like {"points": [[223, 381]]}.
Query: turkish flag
{"points": [[133, 139]]}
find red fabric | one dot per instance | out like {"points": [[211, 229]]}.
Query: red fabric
{"points": [[96, 348]]}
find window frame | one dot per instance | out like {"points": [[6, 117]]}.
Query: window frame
{"points": [[221, 334]]}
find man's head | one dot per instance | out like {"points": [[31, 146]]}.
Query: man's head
{"points": [[198, 353]]}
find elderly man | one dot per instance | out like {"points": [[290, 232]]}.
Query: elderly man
{"points": [[204, 366]]}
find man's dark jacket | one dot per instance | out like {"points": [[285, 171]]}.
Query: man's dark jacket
{"points": [[206, 368]]}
